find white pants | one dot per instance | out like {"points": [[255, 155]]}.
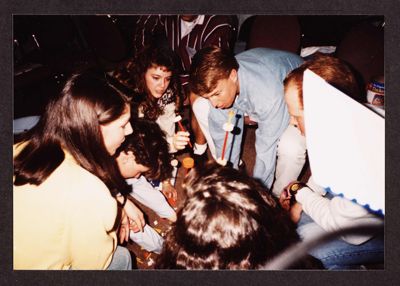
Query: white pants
{"points": [[291, 154], [201, 109]]}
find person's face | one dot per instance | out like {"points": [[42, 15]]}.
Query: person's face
{"points": [[128, 166], [225, 92], [157, 80], [296, 113], [114, 132], [189, 18]]}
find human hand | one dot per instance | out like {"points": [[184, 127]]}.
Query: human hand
{"points": [[133, 226], [124, 228], [169, 191], [285, 199], [295, 212], [134, 214], [180, 140], [288, 203]]}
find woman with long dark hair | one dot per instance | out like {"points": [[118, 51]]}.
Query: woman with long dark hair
{"points": [[67, 184]]}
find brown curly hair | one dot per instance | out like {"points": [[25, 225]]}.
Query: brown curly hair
{"points": [[150, 148], [133, 72], [228, 221]]}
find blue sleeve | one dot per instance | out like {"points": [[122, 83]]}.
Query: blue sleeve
{"points": [[271, 125], [216, 120]]}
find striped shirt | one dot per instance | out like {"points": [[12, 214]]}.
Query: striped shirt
{"points": [[220, 30]]}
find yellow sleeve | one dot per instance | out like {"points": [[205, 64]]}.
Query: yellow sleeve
{"points": [[92, 240]]}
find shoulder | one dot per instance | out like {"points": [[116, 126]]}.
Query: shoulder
{"points": [[86, 193], [218, 24], [266, 54], [268, 63], [221, 19], [75, 183]]}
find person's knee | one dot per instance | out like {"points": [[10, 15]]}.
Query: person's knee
{"points": [[172, 218], [291, 145], [124, 258]]}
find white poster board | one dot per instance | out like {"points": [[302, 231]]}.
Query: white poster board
{"points": [[345, 143]]}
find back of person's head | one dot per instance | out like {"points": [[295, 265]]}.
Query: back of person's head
{"points": [[210, 65], [333, 70], [228, 221], [150, 148], [71, 121]]}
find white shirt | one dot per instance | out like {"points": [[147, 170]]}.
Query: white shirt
{"points": [[187, 27]]}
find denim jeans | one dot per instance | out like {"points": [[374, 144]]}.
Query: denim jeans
{"points": [[121, 259], [338, 254]]}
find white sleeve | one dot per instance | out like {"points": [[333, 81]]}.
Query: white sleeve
{"points": [[143, 192], [336, 213], [201, 110], [149, 239], [167, 125]]}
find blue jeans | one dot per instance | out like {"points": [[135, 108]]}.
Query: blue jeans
{"points": [[338, 254], [121, 259]]}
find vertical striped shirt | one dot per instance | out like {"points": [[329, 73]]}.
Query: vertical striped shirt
{"points": [[219, 30]]}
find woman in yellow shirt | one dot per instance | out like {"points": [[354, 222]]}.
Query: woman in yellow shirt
{"points": [[67, 184]]}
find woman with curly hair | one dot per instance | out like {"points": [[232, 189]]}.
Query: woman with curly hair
{"points": [[153, 76]]}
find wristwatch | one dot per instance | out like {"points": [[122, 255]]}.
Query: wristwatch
{"points": [[295, 187]]}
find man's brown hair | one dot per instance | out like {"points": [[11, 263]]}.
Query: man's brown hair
{"points": [[210, 65], [333, 70]]}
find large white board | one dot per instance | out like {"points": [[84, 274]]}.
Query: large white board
{"points": [[345, 142]]}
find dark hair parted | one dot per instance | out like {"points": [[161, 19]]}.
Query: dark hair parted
{"points": [[333, 70], [228, 221], [133, 75], [209, 65], [71, 121], [150, 148]]}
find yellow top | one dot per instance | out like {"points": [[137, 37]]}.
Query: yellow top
{"points": [[65, 222]]}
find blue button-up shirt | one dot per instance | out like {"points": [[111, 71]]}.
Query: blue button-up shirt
{"points": [[261, 74]]}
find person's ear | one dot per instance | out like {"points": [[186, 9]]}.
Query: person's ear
{"points": [[130, 155], [126, 156], [233, 75]]}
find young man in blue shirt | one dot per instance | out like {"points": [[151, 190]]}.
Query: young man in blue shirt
{"points": [[251, 84]]}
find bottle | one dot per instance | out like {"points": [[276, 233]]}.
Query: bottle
{"points": [[376, 92]]}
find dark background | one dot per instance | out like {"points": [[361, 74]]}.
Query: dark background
{"points": [[48, 48]]}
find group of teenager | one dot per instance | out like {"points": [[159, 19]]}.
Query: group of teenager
{"points": [[93, 147]]}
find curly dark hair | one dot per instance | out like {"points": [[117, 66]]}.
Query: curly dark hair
{"points": [[133, 72], [150, 148], [228, 221]]}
